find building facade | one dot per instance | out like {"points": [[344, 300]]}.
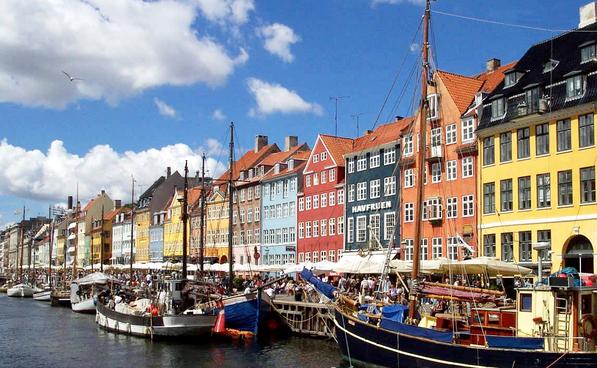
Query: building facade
{"points": [[537, 137]]}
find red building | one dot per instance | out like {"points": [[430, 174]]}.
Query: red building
{"points": [[320, 215]]}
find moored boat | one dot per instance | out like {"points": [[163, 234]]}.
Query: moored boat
{"points": [[44, 295], [83, 291], [20, 291]]}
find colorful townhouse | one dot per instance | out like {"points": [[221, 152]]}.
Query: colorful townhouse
{"points": [[279, 188], [101, 236], [82, 228], [121, 235], [217, 205], [173, 226], [372, 187], [537, 173], [449, 183], [197, 227], [320, 215]]}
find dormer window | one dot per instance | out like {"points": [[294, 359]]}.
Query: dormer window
{"points": [[550, 65], [575, 86], [433, 104], [242, 175], [261, 170], [290, 164], [498, 108], [277, 169], [588, 53], [512, 78], [250, 173], [315, 158]]}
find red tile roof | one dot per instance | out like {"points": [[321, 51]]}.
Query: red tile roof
{"points": [[337, 147], [462, 89], [492, 79], [298, 166], [281, 156], [193, 195], [111, 214], [383, 134], [247, 161]]}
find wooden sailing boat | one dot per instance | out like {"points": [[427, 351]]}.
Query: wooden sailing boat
{"points": [[392, 341], [21, 290]]}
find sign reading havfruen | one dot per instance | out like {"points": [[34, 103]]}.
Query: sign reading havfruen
{"points": [[372, 206]]}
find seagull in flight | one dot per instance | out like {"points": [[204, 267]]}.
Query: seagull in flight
{"points": [[72, 79]]}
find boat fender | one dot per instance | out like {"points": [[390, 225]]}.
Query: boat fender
{"points": [[588, 327]]}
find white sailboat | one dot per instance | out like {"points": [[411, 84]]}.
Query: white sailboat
{"points": [[20, 291]]}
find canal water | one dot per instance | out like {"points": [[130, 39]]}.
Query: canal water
{"points": [[35, 334]]}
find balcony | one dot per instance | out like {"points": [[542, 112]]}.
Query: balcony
{"points": [[406, 161], [435, 153], [469, 148]]}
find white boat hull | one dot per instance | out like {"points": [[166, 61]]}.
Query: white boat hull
{"points": [[20, 291], [83, 306], [43, 296]]}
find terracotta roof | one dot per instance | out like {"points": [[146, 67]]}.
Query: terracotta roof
{"points": [[300, 155], [247, 161], [111, 214], [193, 195], [337, 146], [88, 205], [462, 89], [492, 79], [282, 156], [382, 134]]}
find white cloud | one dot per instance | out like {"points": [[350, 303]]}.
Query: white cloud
{"points": [[414, 47], [273, 98], [119, 49], [164, 109], [218, 114], [277, 40], [226, 11], [394, 2], [53, 175]]}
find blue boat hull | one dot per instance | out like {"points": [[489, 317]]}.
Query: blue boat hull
{"points": [[245, 312], [364, 343]]}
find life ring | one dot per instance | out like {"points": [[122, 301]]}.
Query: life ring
{"points": [[588, 326]]}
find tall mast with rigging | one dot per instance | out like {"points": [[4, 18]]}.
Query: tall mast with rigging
{"points": [[22, 246], [102, 241], [230, 212], [420, 162], [132, 226], [202, 214], [51, 233], [184, 217]]}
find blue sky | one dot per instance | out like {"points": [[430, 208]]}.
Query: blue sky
{"points": [[335, 47]]}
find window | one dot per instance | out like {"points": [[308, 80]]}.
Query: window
{"points": [[361, 191], [525, 246], [434, 207], [586, 133], [324, 200], [374, 160], [315, 256], [507, 247], [467, 167], [587, 53], [332, 198], [389, 221], [451, 134], [323, 156], [332, 175], [315, 229], [510, 79], [532, 97], [301, 233], [308, 257], [506, 195], [587, 184], [526, 302], [436, 248], [332, 227], [362, 163], [374, 188], [489, 245], [423, 253], [340, 223], [308, 180], [524, 144], [361, 228], [323, 255], [308, 203], [242, 216], [489, 198], [524, 193], [575, 86], [543, 190], [389, 156], [349, 229], [285, 236], [409, 212], [350, 165], [407, 144], [452, 207], [323, 225], [497, 108], [301, 204], [316, 201], [389, 186], [332, 256], [408, 249], [451, 170], [564, 188], [315, 179], [340, 196], [374, 224], [436, 137], [409, 178], [316, 158], [249, 215], [468, 205], [564, 135], [433, 112], [452, 248], [506, 147], [436, 172], [468, 130], [550, 65], [542, 139], [351, 193], [488, 151]]}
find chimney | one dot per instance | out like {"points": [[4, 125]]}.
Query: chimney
{"points": [[117, 203], [70, 202], [368, 131], [168, 172], [103, 193], [260, 142], [290, 141], [398, 117], [492, 65], [588, 14]]}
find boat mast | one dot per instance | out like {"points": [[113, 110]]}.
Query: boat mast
{"points": [[230, 188], [76, 236], [51, 232], [202, 214], [101, 242], [184, 217], [421, 163], [22, 246], [132, 226]]}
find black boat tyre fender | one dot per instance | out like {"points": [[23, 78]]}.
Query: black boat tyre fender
{"points": [[588, 327]]}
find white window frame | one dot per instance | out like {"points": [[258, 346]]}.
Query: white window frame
{"points": [[468, 167], [468, 130], [362, 163], [375, 188], [409, 212], [409, 178], [389, 186], [452, 170], [388, 230], [349, 229], [452, 207], [361, 229], [468, 205], [436, 172], [389, 156], [451, 134]]}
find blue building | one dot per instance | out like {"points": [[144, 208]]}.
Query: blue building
{"points": [[279, 206], [372, 188], [156, 237]]}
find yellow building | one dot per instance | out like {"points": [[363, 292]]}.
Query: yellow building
{"points": [[536, 174], [142, 223], [216, 226]]}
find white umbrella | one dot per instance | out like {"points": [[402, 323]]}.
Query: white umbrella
{"points": [[354, 263], [298, 267], [492, 266], [324, 266]]}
